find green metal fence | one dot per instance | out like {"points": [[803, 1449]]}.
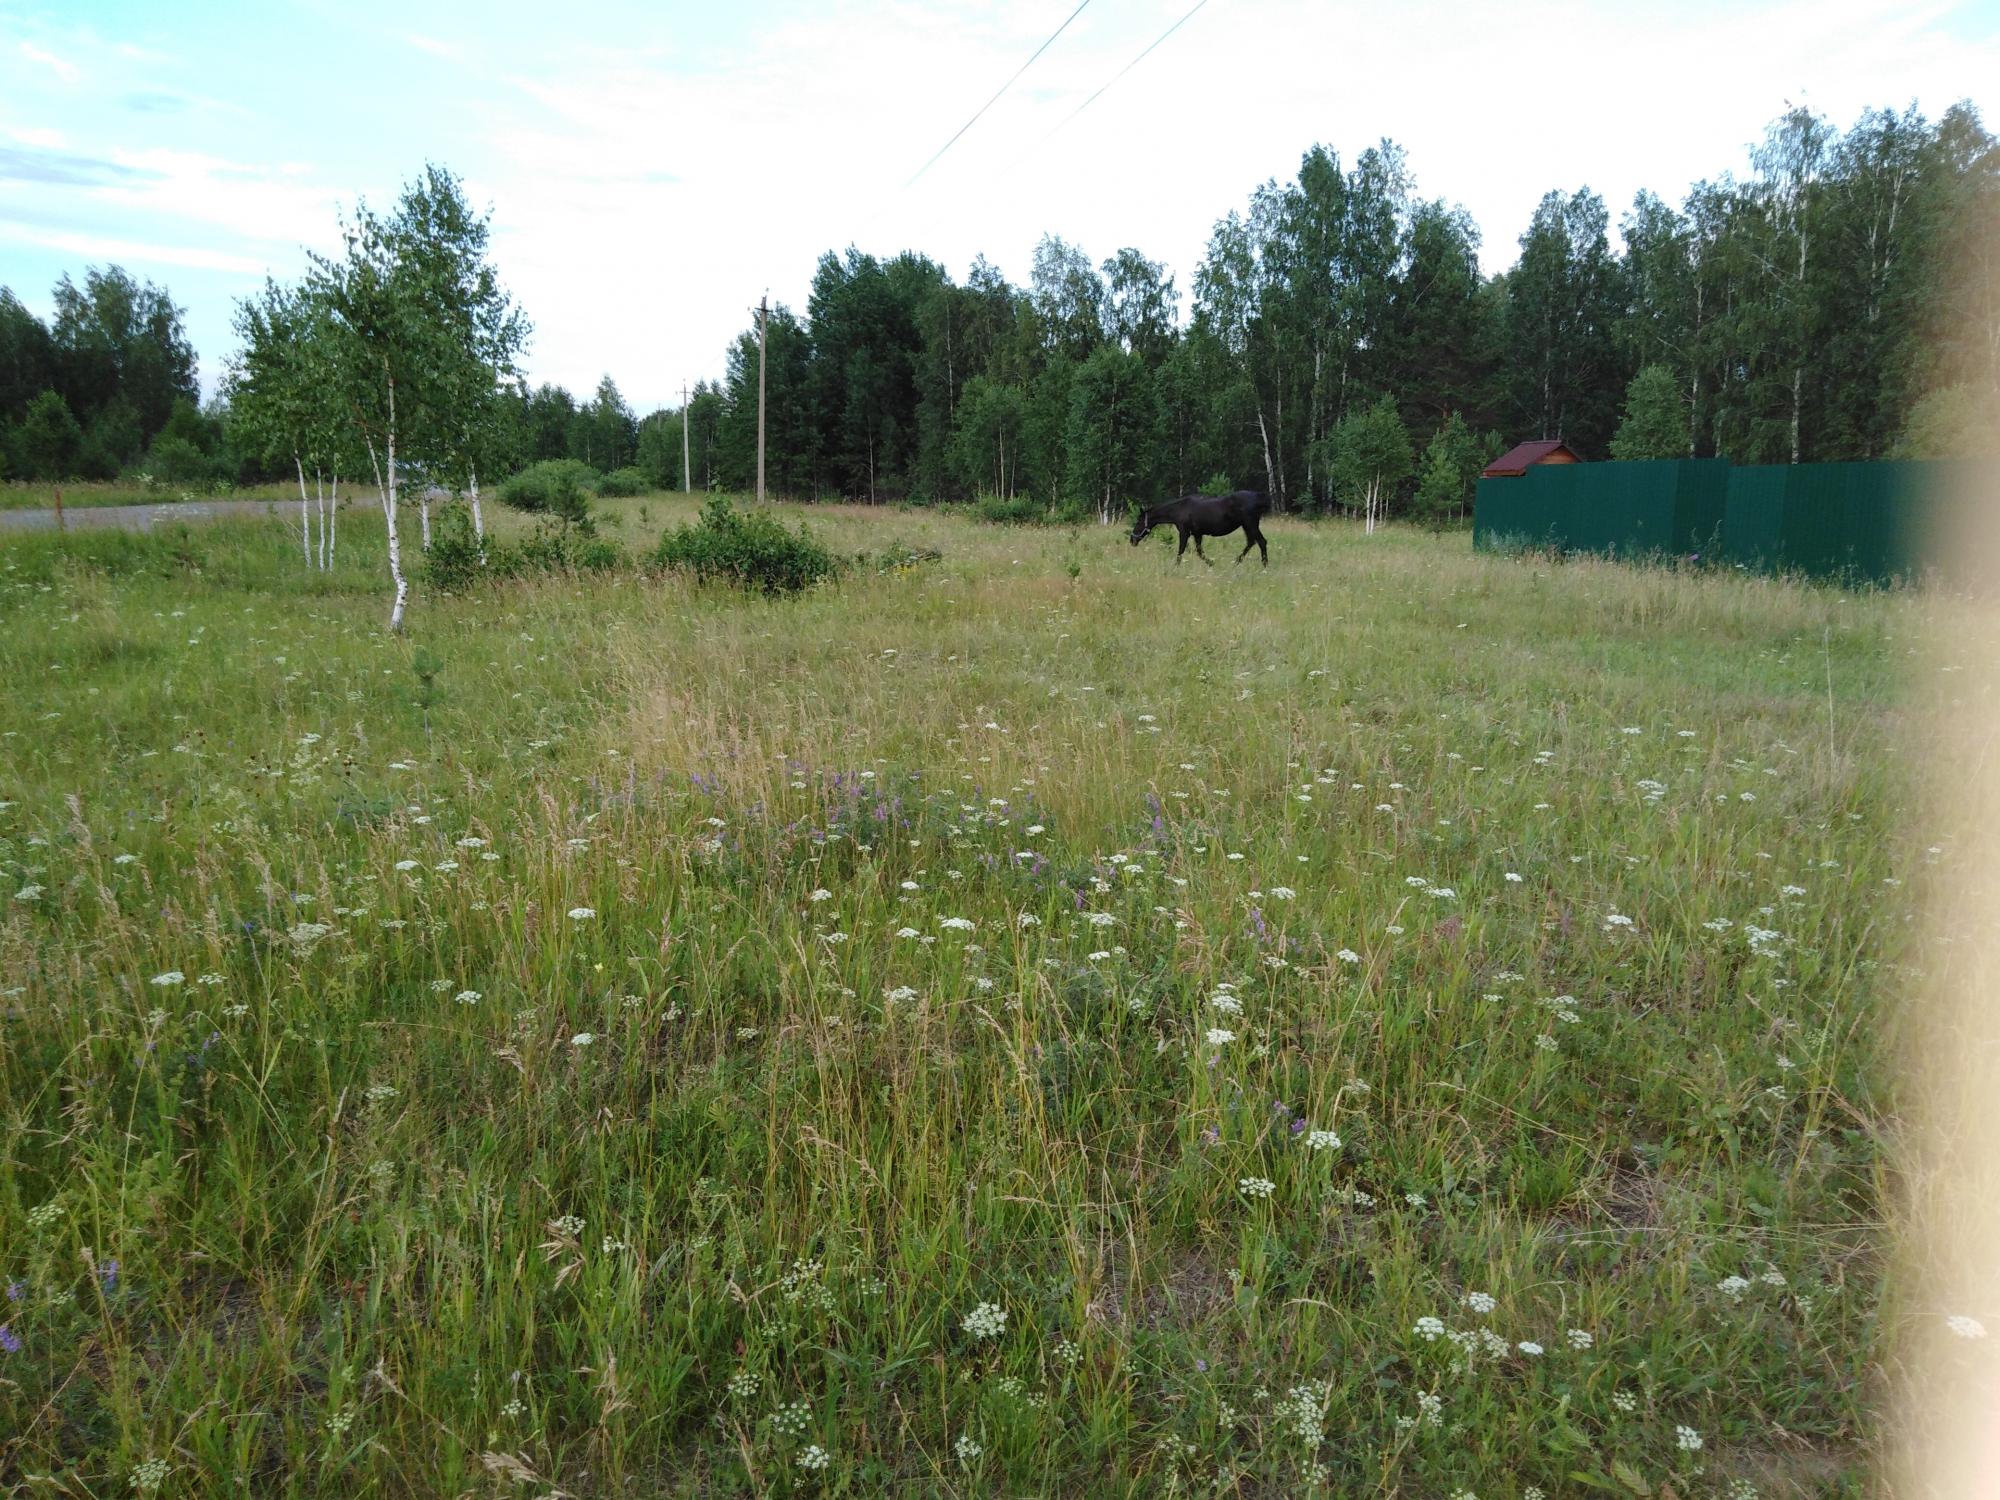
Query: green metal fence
{"points": [[1867, 522]]}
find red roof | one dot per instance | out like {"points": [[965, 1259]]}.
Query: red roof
{"points": [[1523, 456]]}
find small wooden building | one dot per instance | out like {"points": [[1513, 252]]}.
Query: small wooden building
{"points": [[1522, 457]]}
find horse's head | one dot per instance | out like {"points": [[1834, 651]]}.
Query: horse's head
{"points": [[1141, 525]]}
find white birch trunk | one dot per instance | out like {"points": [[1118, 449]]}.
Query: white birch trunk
{"points": [[478, 522], [1798, 371], [305, 516], [387, 488], [424, 512], [332, 518], [1270, 472]]}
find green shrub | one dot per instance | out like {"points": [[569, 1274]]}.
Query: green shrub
{"points": [[748, 549], [1014, 510], [175, 460], [556, 486], [552, 549], [622, 484], [455, 559], [899, 557]]}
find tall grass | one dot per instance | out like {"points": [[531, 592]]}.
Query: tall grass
{"points": [[625, 1039]]}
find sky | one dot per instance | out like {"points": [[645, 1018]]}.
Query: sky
{"points": [[653, 169]]}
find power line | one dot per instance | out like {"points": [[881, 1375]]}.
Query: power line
{"points": [[1003, 89], [1126, 69]]}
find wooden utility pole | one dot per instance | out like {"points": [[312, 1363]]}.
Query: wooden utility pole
{"points": [[762, 315], [687, 474], [62, 525]]}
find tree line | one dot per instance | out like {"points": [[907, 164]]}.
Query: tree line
{"points": [[1339, 348], [108, 385], [1344, 350]]}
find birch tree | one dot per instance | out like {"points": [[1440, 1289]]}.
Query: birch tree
{"points": [[1792, 162], [473, 329], [283, 392], [1369, 455], [379, 341], [418, 333]]}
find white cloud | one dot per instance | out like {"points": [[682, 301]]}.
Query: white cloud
{"points": [[448, 51], [654, 194], [268, 205], [646, 191], [101, 248], [66, 71]]}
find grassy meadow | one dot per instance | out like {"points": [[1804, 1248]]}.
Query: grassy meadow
{"points": [[1034, 1022]]}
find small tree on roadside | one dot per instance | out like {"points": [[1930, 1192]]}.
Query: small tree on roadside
{"points": [[381, 348], [1449, 469], [283, 392], [1656, 421], [442, 245], [417, 327], [48, 440], [1368, 455]]}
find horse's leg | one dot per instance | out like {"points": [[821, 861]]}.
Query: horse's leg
{"points": [[1263, 551], [1183, 550], [1249, 541], [1197, 550]]}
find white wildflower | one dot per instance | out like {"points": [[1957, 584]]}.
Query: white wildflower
{"points": [[986, 1321]]}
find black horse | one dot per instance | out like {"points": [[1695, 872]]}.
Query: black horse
{"points": [[1198, 516]]}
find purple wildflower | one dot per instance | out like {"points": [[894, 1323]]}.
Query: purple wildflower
{"points": [[9, 1340], [108, 1271]]}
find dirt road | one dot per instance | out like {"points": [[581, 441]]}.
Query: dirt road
{"points": [[142, 517]]}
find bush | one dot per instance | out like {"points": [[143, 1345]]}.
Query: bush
{"points": [[174, 460], [552, 549], [455, 559], [622, 484], [1015, 510], [557, 486], [748, 549], [899, 557]]}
